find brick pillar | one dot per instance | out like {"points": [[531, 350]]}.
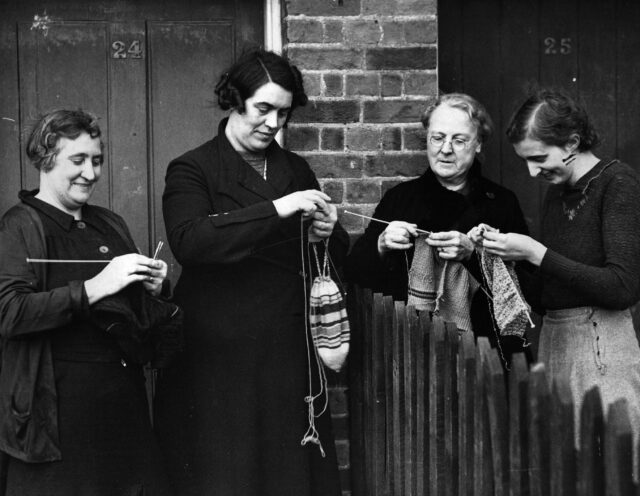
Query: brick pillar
{"points": [[369, 68]]}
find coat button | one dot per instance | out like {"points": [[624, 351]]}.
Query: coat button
{"points": [[491, 195], [81, 225], [103, 249]]}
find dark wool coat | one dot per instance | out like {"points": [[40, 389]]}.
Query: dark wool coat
{"points": [[232, 412], [425, 202]]}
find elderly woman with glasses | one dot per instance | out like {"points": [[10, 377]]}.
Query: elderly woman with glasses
{"points": [[448, 200]]}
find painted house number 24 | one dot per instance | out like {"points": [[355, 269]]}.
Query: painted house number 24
{"points": [[122, 50], [555, 46]]}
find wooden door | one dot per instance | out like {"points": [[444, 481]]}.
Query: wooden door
{"points": [[146, 68], [494, 49]]}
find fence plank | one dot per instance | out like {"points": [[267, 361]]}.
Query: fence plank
{"points": [[590, 460], [397, 398], [452, 337], [466, 406], [618, 451], [410, 347], [436, 407], [483, 462], [563, 452], [422, 406], [497, 407], [518, 421], [378, 435], [539, 436]]}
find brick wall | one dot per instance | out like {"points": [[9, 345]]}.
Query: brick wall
{"points": [[369, 68]]}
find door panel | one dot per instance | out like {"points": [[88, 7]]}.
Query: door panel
{"points": [[146, 68], [587, 47], [185, 66]]}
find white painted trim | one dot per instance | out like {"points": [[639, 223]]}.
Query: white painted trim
{"points": [[272, 26], [273, 37]]}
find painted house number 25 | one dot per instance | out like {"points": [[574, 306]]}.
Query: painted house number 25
{"points": [[120, 50], [555, 46]]}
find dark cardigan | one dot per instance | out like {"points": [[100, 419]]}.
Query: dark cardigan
{"points": [[28, 397]]}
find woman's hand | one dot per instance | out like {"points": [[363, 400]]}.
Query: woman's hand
{"points": [[323, 223], [514, 246], [307, 202], [475, 234], [153, 284], [397, 236], [451, 245], [123, 271]]}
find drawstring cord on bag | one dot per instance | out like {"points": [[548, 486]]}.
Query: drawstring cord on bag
{"points": [[312, 435]]}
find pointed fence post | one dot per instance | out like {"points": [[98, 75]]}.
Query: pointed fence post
{"points": [[563, 445], [518, 426], [494, 380], [618, 450], [482, 460], [466, 409], [451, 459], [436, 408], [396, 398], [409, 351], [539, 435], [423, 402], [379, 479], [590, 455]]}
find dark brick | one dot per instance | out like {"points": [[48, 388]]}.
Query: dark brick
{"points": [[421, 83], [363, 138], [415, 138], [393, 33], [394, 111], [362, 32], [391, 85], [407, 58], [334, 189], [333, 31], [334, 165], [338, 401], [304, 31], [342, 452], [326, 58], [333, 85], [332, 138], [399, 7], [363, 192], [353, 223], [301, 138], [421, 31], [334, 112], [312, 84], [328, 8], [363, 84], [396, 164], [391, 138]]}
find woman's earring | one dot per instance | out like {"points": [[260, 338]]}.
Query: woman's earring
{"points": [[569, 158]]}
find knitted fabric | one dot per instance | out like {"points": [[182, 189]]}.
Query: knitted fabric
{"points": [[509, 307], [443, 287], [328, 319]]}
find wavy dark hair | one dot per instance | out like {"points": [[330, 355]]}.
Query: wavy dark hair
{"points": [[254, 69], [42, 144], [554, 118], [472, 107]]}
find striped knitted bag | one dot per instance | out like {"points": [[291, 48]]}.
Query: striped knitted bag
{"points": [[328, 317]]}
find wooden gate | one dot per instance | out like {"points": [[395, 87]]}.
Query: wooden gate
{"points": [[492, 49], [146, 68]]}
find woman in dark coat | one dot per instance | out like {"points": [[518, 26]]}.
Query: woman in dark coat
{"points": [[240, 212], [74, 417], [449, 199]]}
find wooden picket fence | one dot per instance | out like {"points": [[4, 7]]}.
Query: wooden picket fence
{"points": [[433, 413]]}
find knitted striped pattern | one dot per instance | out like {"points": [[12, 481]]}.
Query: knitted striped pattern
{"points": [[442, 287], [328, 322], [509, 307]]}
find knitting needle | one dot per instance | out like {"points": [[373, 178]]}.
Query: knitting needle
{"points": [[47, 260], [158, 248], [421, 231]]}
